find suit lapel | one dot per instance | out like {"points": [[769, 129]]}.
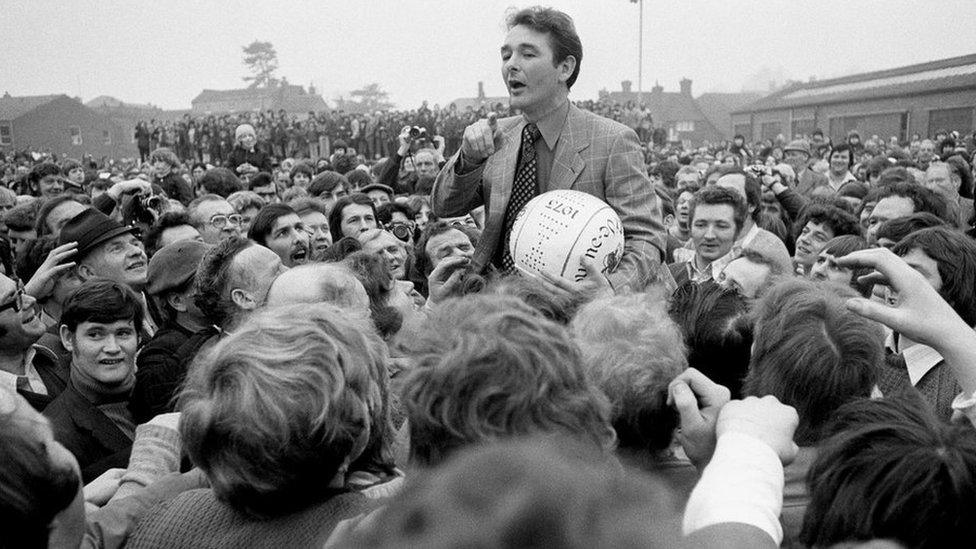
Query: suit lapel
{"points": [[568, 163], [86, 416]]}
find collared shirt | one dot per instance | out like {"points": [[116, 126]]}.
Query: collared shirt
{"points": [[848, 177], [551, 127], [919, 359], [9, 380]]}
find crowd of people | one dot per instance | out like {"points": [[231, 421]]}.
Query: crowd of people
{"points": [[280, 342]]}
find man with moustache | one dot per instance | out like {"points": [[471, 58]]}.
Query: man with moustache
{"points": [[502, 164]]}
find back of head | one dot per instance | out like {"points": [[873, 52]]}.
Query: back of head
{"points": [[716, 332], [923, 199], [811, 352], [489, 368], [212, 283], [221, 181], [632, 350], [892, 470], [326, 182], [272, 423], [896, 229], [527, 493], [955, 255]]}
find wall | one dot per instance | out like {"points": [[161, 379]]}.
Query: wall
{"points": [[48, 128]]}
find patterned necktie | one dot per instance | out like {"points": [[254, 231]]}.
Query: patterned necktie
{"points": [[524, 188]]}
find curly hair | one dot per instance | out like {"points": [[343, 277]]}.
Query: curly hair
{"points": [[489, 368], [840, 222], [272, 423], [213, 279]]}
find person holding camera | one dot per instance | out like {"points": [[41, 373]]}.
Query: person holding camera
{"points": [[425, 155]]}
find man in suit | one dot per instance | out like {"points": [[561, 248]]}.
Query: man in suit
{"points": [[552, 145], [797, 155]]}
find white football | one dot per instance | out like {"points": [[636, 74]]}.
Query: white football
{"points": [[556, 229]]}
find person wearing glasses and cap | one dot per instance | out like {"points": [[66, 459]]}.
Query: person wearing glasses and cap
{"points": [[29, 369]]}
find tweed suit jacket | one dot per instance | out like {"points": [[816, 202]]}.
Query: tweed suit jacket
{"points": [[594, 155]]}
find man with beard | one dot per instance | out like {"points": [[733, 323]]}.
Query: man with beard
{"points": [[279, 228]]}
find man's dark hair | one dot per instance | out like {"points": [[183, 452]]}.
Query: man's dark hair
{"points": [[103, 301], [432, 229], [876, 165], [961, 169], [811, 352], [897, 229], [39, 172], [212, 294], [260, 179], [892, 470], [301, 167], [839, 246], [344, 164], [563, 38], [220, 181], [752, 186], [923, 199], [717, 332], [359, 179], [335, 216], [384, 214], [720, 195], [842, 147], [166, 221], [264, 221], [839, 221], [955, 255], [34, 256], [325, 182], [895, 175]]}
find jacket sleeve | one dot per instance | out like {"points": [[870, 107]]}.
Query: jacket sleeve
{"points": [[792, 202], [629, 191], [457, 189], [389, 174]]}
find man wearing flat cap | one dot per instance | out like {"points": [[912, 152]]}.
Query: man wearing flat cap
{"points": [[108, 249], [797, 155], [170, 286]]}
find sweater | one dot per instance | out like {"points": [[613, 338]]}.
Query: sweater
{"points": [[196, 518]]}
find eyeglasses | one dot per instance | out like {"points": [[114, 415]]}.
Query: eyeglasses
{"points": [[17, 303], [220, 221]]}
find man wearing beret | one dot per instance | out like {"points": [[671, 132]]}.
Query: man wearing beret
{"points": [[108, 249], [170, 286]]}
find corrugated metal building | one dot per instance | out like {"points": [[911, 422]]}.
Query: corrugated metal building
{"points": [[923, 98]]}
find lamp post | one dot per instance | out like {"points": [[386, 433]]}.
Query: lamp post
{"points": [[640, 49]]}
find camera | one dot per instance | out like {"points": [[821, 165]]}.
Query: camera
{"points": [[152, 202], [402, 231], [416, 132]]}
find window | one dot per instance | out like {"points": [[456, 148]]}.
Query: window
{"points": [[75, 133], [769, 130], [685, 126], [960, 120], [885, 126], [106, 137], [803, 128], [6, 135]]}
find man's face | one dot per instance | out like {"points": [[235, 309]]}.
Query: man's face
{"points": [[379, 197], [713, 230], [290, 240], [682, 208], [926, 150], [938, 179], [392, 248], [161, 169], [77, 175], [892, 207], [426, 166], [796, 159], [19, 240], [534, 82], [928, 267], [840, 162], [745, 277], [197, 173], [357, 218], [50, 186], [824, 269], [62, 214], [178, 233], [813, 237], [121, 259], [268, 193], [212, 216], [301, 179], [104, 352], [450, 243], [321, 237], [422, 217], [22, 327]]}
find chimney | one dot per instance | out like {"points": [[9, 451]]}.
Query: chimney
{"points": [[626, 86], [481, 90], [686, 86]]}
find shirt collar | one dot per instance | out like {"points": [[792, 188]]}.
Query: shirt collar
{"points": [[9, 380], [919, 359], [551, 125]]}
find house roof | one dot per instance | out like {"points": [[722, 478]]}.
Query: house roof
{"points": [[108, 101], [945, 74], [12, 108], [290, 97], [664, 106], [462, 103], [718, 107]]}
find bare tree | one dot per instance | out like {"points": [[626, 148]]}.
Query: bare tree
{"points": [[369, 98], [262, 60]]}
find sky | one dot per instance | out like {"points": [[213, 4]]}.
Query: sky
{"points": [[165, 52]]}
